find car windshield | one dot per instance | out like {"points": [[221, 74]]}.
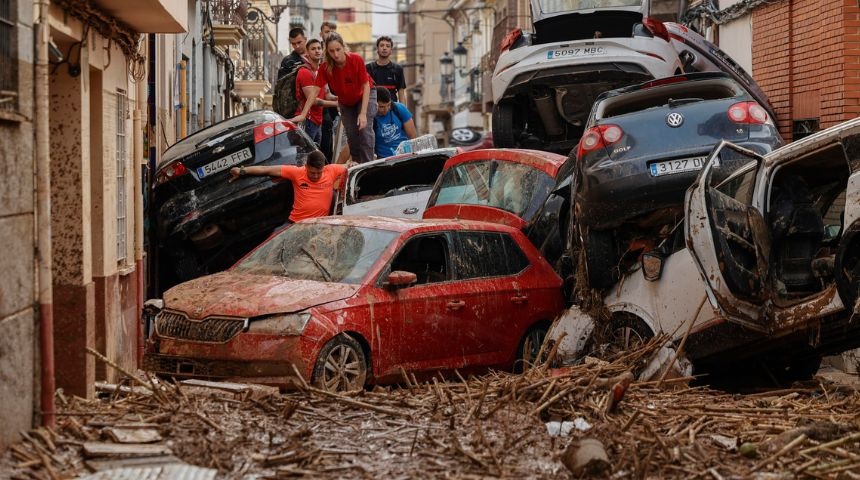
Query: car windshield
{"points": [[514, 187], [558, 6], [319, 251]]}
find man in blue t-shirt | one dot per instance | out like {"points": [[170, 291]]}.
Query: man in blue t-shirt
{"points": [[392, 125]]}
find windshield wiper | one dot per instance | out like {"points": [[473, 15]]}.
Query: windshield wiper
{"points": [[326, 275]]}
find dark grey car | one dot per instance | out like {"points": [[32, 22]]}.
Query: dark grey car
{"points": [[203, 223], [642, 148]]}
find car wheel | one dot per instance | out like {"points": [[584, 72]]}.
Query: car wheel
{"points": [[341, 366], [628, 333], [464, 136], [601, 258], [503, 126], [801, 370], [529, 348]]}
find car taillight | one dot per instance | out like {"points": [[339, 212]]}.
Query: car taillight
{"points": [[663, 81], [748, 112], [170, 172], [269, 130], [598, 137], [510, 39], [656, 27]]}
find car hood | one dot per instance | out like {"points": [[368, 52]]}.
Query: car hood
{"points": [[248, 295]]}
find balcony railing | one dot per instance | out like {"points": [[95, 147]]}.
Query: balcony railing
{"points": [[228, 12], [255, 52]]}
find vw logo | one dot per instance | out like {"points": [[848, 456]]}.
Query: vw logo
{"points": [[218, 149], [674, 119]]}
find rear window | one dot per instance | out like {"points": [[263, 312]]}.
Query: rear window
{"points": [[558, 6], [389, 179], [514, 187], [658, 97]]}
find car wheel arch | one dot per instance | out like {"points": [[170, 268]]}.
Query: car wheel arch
{"points": [[635, 313], [519, 351], [850, 244]]}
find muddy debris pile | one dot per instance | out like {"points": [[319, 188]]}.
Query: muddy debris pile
{"points": [[586, 420]]}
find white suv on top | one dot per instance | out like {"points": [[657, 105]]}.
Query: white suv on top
{"points": [[545, 82]]}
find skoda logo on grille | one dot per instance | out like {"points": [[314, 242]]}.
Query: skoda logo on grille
{"points": [[674, 119]]}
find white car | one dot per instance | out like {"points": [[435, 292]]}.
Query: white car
{"points": [[397, 186], [764, 273], [545, 82]]}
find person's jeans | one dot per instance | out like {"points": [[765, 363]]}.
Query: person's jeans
{"points": [[361, 142], [313, 130]]}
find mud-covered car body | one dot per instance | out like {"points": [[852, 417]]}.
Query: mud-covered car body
{"points": [[397, 186], [203, 223], [545, 82], [766, 265], [525, 189], [325, 278]]}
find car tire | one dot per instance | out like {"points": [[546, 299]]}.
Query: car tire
{"points": [[628, 332], [529, 347], [341, 365], [464, 136], [503, 126], [801, 370], [601, 258], [848, 266]]}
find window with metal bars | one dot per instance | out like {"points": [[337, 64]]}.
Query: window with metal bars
{"points": [[121, 114], [8, 59]]}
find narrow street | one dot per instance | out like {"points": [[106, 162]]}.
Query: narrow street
{"points": [[500, 425]]}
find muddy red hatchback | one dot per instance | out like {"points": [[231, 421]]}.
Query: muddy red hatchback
{"points": [[355, 300]]}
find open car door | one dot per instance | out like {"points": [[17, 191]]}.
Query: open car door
{"points": [[728, 237]]}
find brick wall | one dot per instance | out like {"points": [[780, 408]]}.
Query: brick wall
{"points": [[806, 57]]}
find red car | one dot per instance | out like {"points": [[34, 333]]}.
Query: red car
{"points": [[355, 300], [525, 189]]}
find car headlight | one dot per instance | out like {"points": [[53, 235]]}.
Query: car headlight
{"points": [[281, 324]]}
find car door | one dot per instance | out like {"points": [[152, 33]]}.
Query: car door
{"points": [[428, 313], [728, 237], [499, 307]]}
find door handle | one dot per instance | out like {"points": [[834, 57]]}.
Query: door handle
{"points": [[518, 299], [455, 305]]}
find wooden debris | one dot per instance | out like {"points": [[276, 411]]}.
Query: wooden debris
{"points": [[102, 449], [586, 457], [133, 435]]}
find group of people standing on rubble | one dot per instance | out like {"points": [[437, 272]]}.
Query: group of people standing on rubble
{"points": [[338, 82]]}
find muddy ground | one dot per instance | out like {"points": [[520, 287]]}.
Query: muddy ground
{"points": [[493, 426]]}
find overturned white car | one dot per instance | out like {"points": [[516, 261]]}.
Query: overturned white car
{"points": [[764, 273], [545, 82]]}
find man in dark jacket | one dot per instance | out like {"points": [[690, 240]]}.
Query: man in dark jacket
{"points": [[386, 73], [297, 41]]}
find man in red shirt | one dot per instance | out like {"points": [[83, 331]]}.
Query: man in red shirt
{"points": [[305, 82], [313, 184]]}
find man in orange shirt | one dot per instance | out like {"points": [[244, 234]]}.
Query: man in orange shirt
{"points": [[313, 184]]}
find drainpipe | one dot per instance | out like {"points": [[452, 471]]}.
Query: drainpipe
{"points": [[140, 162], [183, 101], [207, 88], [45, 274]]}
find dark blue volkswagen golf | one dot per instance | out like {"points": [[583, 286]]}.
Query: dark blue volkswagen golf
{"points": [[642, 148]]}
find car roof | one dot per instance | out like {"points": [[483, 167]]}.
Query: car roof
{"points": [[401, 225], [673, 80], [814, 142], [545, 161]]}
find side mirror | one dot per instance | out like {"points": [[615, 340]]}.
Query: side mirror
{"points": [[652, 265], [399, 278]]}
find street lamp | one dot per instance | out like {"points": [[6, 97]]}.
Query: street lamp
{"points": [[460, 53], [278, 7], [446, 64]]}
